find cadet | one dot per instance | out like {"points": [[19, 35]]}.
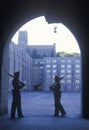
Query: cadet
{"points": [[16, 102], [57, 96]]}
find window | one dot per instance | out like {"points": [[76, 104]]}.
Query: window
{"points": [[68, 71], [62, 81], [62, 66], [62, 71], [77, 81], [48, 60], [77, 87], [77, 61], [62, 61], [54, 61], [68, 66], [68, 81], [69, 61], [41, 62], [48, 71], [77, 66], [54, 71], [54, 66], [48, 75], [77, 71], [77, 76], [48, 66], [68, 76], [41, 67]]}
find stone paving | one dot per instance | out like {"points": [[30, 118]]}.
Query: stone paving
{"points": [[38, 109]]}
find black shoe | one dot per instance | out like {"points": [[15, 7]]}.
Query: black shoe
{"points": [[55, 115], [63, 115], [12, 117], [21, 116]]}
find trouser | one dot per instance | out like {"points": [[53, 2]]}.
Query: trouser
{"points": [[59, 107], [16, 104]]}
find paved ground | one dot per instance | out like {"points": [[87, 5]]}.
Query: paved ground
{"points": [[38, 108]]}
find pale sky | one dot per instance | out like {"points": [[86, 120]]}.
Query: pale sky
{"points": [[42, 33]]}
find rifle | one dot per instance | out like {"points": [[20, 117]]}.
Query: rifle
{"points": [[53, 85], [63, 76], [10, 74], [20, 83]]}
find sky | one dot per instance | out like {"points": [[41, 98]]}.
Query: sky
{"points": [[42, 33]]}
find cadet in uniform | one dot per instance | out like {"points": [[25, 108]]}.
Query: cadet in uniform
{"points": [[57, 96], [16, 102]]}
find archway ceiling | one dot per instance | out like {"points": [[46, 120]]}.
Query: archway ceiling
{"points": [[54, 11], [17, 12]]}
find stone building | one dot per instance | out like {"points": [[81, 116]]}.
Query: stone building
{"points": [[40, 51], [70, 67], [19, 60]]}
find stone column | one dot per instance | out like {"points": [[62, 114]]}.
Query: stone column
{"points": [[85, 83], [4, 82]]}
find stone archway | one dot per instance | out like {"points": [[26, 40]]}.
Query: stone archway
{"points": [[70, 15], [5, 88]]}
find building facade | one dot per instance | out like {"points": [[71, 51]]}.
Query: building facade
{"points": [[69, 67], [19, 60], [40, 51]]}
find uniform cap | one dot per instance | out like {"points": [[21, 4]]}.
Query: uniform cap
{"points": [[57, 78], [16, 74]]}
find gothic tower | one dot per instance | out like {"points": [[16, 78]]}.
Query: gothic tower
{"points": [[22, 38]]}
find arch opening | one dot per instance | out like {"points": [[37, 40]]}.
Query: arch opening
{"points": [[54, 31]]}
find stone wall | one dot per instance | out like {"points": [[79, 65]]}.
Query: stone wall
{"points": [[4, 83]]}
